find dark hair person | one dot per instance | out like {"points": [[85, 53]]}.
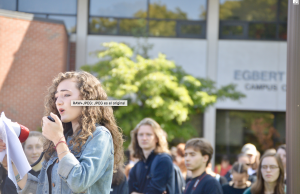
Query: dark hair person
{"points": [[281, 151], [119, 182], [179, 159], [224, 167], [198, 153], [84, 144], [239, 181], [270, 175]]}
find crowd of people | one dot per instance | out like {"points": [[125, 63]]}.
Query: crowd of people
{"points": [[83, 153], [153, 172]]}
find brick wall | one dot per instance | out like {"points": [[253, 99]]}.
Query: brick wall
{"points": [[31, 54]]}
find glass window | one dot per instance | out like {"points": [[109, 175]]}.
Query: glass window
{"points": [[191, 30], [197, 122], [178, 9], [135, 27], [162, 28], [103, 26], [245, 10], [49, 6], [283, 12], [283, 31], [262, 30], [8, 4], [70, 22], [235, 128], [118, 8], [232, 30], [161, 18]]}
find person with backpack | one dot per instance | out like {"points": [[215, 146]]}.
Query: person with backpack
{"points": [[198, 153], [154, 172], [180, 181], [222, 180]]}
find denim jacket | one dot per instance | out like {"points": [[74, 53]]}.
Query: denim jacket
{"points": [[87, 171]]}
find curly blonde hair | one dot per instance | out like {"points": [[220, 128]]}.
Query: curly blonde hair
{"points": [[90, 89], [161, 135]]}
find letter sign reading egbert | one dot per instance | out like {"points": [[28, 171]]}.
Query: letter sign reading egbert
{"points": [[261, 80]]}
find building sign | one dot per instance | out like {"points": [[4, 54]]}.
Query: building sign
{"points": [[258, 69], [260, 80]]}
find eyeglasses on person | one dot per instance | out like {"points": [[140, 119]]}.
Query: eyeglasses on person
{"points": [[272, 167]]}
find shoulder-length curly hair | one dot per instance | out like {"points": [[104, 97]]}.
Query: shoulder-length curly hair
{"points": [[259, 187], [161, 135], [90, 89]]}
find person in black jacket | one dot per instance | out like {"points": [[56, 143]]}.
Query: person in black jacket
{"points": [[154, 173], [239, 181], [119, 183], [198, 153], [33, 147], [3, 175], [242, 158]]}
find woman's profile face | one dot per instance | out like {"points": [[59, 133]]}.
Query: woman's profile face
{"points": [[67, 91], [282, 155], [239, 179], [33, 148], [269, 169]]}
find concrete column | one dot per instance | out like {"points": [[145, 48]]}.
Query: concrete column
{"points": [[293, 99], [81, 32], [212, 36], [210, 129]]}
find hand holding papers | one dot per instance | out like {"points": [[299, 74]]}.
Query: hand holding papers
{"points": [[14, 150]]}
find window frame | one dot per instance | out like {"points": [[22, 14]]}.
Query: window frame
{"points": [[246, 24], [179, 23]]}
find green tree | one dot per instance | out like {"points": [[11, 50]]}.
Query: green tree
{"points": [[155, 88]]}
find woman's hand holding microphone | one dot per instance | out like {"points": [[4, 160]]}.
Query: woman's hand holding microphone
{"points": [[53, 130]]}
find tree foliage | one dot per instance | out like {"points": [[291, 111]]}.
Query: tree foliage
{"points": [[155, 88]]}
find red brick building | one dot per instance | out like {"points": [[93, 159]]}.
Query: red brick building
{"points": [[32, 52]]}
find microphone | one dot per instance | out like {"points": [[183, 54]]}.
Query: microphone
{"points": [[21, 131], [51, 119]]}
